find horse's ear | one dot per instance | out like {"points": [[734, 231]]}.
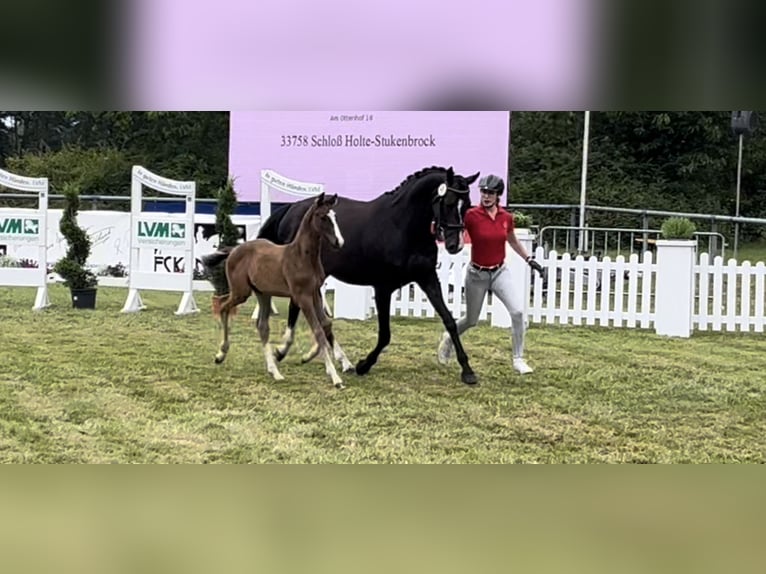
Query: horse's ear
{"points": [[471, 178], [450, 176], [333, 200], [320, 199]]}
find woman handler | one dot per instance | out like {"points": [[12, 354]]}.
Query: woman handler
{"points": [[489, 227]]}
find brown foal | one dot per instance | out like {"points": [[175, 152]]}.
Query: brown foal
{"points": [[293, 270]]}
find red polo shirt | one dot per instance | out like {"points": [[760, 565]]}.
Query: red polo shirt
{"points": [[488, 236]]}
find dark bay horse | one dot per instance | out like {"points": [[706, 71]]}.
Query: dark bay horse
{"points": [[390, 243], [293, 270]]}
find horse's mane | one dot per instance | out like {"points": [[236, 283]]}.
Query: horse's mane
{"points": [[412, 177]]}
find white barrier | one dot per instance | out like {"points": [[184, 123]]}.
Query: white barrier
{"points": [[271, 179], [351, 301], [169, 231], [24, 227], [109, 233]]}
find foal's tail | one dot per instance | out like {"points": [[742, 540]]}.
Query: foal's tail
{"points": [[214, 259], [215, 267]]}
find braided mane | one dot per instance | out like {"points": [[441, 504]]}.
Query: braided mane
{"points": [[417, 175]]}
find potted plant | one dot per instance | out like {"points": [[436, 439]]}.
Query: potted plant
{"points": [[521, 220], [523, 224], [678, 228], [228, 236], [82, 282]]}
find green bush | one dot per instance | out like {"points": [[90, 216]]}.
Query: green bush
{"points": [[101, 171], [8, 261], [521, 220], [227, 234], [227, 204], [678, 228], [72, 266]]}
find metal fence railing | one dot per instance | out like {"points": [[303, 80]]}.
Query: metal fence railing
{"points": [[613, 241], [641, 224], [718, 230]]}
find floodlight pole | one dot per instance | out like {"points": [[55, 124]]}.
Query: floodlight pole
{"points": [[739, 182], [583, 181]]}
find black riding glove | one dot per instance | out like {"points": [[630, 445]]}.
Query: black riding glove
{"points": [[535, 265]]}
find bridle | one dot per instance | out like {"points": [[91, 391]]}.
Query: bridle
{"points": [[438, 203]]}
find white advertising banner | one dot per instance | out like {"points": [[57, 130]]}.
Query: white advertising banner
{"points": [[109, 232]]}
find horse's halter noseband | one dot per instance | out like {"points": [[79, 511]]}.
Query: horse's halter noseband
{"points": [[438, 203]]}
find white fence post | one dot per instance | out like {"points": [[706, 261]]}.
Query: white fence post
{"points": [[675, 287], [520, 278], [351, 301], [171, 231], [27, 227]]}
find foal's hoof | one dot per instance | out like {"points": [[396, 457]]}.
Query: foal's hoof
{"points": [[469, 378]]}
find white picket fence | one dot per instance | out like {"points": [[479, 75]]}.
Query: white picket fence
{"points": [[590, 292], [729, 297], [411, 300], [606, 292], [618, 292]]}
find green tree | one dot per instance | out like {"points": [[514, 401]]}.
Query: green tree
{"points": [[95, 150], [227, 234], [675, 161]]}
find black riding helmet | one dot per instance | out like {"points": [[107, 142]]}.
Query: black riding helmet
{"points": [[492, 183]]}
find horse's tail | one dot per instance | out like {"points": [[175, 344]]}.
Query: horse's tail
{"points": [[270, 228], [214, 264]]}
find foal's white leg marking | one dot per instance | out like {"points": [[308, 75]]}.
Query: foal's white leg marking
{"points": [[271, 364], [330, 369], [338, 234], [223, 347], [313, 352], [287, 341], [341, 356], [325, 306]]}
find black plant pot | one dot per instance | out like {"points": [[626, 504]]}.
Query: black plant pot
{"points": [[84, 298]]}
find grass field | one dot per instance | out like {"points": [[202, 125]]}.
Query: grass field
{"points": [[753, 252], [101, 387]]}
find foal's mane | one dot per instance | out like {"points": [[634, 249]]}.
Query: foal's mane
{"points": [[397, 192], [309, 214]]}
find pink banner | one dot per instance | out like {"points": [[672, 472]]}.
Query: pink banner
{"points": [[358, 154]]}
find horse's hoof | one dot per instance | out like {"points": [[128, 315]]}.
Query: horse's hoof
{"points": [[340, 386], [219, 359], [279, 355], [278, 376], [363, 367], [348, 368], [469, 378]]}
